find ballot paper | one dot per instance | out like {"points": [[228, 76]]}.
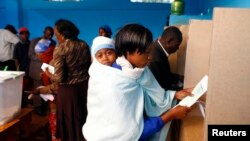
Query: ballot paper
{"points": [[45, 97], [197, 92], [51, 68]]}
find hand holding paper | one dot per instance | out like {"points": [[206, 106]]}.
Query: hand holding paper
{"points": [[50, 68], [183, 93], [197, 92], [45, 97]]}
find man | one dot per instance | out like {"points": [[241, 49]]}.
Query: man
{"points": [[40, 51], [167, 44], [7, 42], [22, 49], [46, 42], [22, 61]]}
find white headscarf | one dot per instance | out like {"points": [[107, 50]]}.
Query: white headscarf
{"points": [[101, 42]]}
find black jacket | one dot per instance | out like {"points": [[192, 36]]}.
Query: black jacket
{"points": [[160, 67]]}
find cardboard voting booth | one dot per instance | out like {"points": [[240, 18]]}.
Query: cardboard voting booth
{"points": [[219, 48], [229, 72], [196, 66], [177, 59]]}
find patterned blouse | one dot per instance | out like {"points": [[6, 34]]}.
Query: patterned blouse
{"points": [[71, 61]]}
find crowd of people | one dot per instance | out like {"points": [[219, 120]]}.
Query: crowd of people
{"points": [[115, 89]]}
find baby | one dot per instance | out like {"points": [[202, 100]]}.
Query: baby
{"points": [[103, 50]]}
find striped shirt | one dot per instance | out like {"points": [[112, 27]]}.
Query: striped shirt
{"points": [[71, 61]]}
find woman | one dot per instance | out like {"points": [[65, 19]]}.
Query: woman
{"points": [[118, 97], [105, 31], [71, 61]]}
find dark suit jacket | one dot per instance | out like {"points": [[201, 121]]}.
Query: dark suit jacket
{"points": [[160, 67]]}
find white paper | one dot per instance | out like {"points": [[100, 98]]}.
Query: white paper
{"points": [[51, 68], [197, 92], [202, 109], [47, 97]]}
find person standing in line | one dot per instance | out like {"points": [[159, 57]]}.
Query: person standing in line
{"points": [[8, 40], [167, 44], [21, 51], [22, 61], [11, 28], [39, 46], [71, 61], [105, 31]]}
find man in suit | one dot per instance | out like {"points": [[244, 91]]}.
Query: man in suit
{"points": [[167, 44]]}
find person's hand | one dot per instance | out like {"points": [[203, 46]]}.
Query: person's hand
{"points": [[179, 95], [180, 112], [36, 91]]}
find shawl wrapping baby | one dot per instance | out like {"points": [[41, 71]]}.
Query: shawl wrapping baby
{"points": [[116, 102]]}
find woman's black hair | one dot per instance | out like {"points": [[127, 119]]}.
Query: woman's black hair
{"points": [[67, 28], [132, 37]]}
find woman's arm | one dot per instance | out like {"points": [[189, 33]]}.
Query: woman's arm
{"points": [[178, 112], [59, 64]]}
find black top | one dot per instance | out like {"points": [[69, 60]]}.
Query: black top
{"points": [[21, 55], [160, 67]]}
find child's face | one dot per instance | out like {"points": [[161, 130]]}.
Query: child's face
{"points": [[139, 60], [106, 56]]}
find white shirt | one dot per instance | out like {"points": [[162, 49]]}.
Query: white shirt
{"points": [[8, 41], [163, 48]]}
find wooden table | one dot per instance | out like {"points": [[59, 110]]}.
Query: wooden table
{"points": [[18, 127], [10, 130]]}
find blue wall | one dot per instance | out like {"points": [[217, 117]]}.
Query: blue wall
{"points": [[208, 5], [88, 21], [192, 7], [36, 14], [9, 13], [203, 9]]}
